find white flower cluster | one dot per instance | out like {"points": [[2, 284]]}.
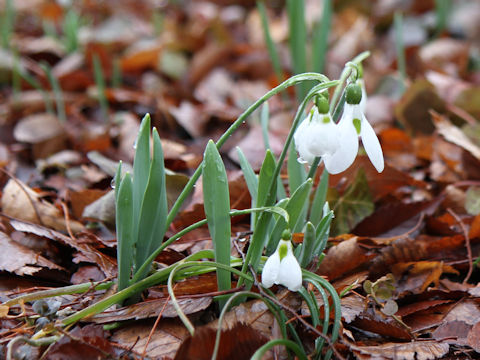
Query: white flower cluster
{"points": [[337, 145]]}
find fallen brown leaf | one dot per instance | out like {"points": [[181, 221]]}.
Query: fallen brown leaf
{"points": [[21, 202], [21, 260], [424, 350]]}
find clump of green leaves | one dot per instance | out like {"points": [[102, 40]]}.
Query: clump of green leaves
{"points": [[141, 206]]}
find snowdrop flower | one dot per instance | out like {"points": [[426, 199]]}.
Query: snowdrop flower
{"points": [[351, 126], [317, 135], [282, 268]]}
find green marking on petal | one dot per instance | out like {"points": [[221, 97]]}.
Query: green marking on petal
{"points": [[326, 119], [283, 251], [358, 125]]}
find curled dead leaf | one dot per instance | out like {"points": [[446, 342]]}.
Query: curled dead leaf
{"points": [[21, 202]]}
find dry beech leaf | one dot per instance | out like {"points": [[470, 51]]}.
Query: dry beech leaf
{"points": [[164, 343], [21, 260], [237, 343], [454, 134], [343, 258], [44, 131], [473, 339], [152, 308], [88, 342], [419, 350], [17, 204], [87, 253]]}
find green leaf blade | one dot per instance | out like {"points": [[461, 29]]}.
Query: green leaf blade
{"points": [[217, 207], [152, 218], [124, 223]]}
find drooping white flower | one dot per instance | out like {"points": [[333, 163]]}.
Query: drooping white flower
{"points": [[282, 268], [316, 136], [352, 125]]}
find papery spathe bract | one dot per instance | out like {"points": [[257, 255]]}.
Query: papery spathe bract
{"points": [[282, 268]]}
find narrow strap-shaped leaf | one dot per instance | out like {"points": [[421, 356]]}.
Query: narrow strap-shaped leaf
{"points": [[249, 175], [141, 168], [217, 207], [264, 179], [264, 119], [306, 252], [154, 207], [323, 231], [316, 211], [295, 207], [161, 224], [321, 31], [272, 51], [124, 221], [297, 41], [296, 171]]}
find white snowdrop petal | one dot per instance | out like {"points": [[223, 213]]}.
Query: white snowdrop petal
{"points": [[348, 146], [290, 274], [271, 270], [300, 144], [322, 138], [372, 145]]}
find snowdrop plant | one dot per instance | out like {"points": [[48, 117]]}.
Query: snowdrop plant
{"points": [[282, 267]]}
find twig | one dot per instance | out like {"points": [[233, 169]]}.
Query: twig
{"points": [[155, 325], [467, 244], [67, 221]]}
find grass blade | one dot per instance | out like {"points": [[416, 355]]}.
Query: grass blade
{"points": [[272, 50], [125, 239], [100, 82], [298, 39], [401, 62], [217, 207], [57, 91], [321, 31]]}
